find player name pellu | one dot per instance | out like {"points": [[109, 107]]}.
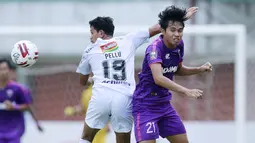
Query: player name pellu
{"points": [[112, 55]]}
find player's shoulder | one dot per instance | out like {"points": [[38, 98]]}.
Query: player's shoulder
{"points": [[155, 44], [181, 44], [19, 86]]}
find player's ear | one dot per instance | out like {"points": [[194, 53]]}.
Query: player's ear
{"points": [[163, 31], [101, 33]]}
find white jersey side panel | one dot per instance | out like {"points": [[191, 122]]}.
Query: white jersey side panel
{"points": [[112, 62]]}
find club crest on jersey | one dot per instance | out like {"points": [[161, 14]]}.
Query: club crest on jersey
{"points": [[109, 47], [167, 56], [9, 93], [153, 55]]}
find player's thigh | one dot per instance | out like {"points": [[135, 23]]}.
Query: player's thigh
{"points": [[180, 138], [89, 133], [98, 112], [171, 126], [145, 127], [150, 141], [13, 140], [123, 137], [2, 140], [121, 113]]}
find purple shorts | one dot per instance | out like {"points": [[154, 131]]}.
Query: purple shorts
{"points": [[14, 140], [154, 121]]}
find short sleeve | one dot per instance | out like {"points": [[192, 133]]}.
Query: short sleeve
{"points": [[27, 94], [153, 54], [181, 51], [84, 66], [138, 38], [22, 97]]}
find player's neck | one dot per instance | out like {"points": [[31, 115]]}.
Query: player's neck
{"points": [[3, 83], [168, 45], [107, 37]]}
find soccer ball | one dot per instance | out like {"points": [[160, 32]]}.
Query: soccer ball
{"points": [[24, 53]]}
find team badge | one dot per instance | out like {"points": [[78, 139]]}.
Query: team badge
{"points": [[153, 55], [109, 47], [9, 93]]}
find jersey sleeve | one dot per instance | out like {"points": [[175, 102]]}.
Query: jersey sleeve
{"points": [[138, 38], [22, 96], [84, 66], [27, 94], [153, 54], [181, 51]]}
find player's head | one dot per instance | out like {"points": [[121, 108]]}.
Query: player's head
{"points": [[13, 73], [101, 27], [5, 67], [171, 21]]}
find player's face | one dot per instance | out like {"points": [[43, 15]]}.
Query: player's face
{"points": [[95, 34], [4, 71], [173, 32], [13, 75]]}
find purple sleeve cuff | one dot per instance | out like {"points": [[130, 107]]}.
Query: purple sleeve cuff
{"points": [[154, 61]]}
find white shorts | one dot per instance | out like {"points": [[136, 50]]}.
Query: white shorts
{"points": [[110, 106]]}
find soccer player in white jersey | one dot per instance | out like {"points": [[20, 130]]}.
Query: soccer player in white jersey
{"points": [[111, 60]]}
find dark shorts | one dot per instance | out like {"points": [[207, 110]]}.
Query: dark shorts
{"points": [[154, 121]]}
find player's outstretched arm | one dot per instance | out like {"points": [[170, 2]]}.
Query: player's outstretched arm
{"points": [[162, 81], [156, 29], [185, 71], [10, 106], [38, 125]]}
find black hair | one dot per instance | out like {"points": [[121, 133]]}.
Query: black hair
{"points": [[10, 65], [172, 13], [103, 23]]}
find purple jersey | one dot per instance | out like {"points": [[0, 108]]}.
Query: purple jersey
{"points": [[12, 122], [153, 114], [157, 52]]}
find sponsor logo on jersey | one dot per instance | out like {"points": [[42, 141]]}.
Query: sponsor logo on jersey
{"points": [[170, 69], [109, 47], [116, 82]]}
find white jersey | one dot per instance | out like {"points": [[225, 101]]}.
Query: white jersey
{"points": [[112, 62]]}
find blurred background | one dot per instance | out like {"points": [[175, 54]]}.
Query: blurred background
{"points": [[55, 85]]}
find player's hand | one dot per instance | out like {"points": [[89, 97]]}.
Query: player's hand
{"points": [[207, 67], [194, 93], [9, 105], [39, 127], [190, 12], [69, 111]]}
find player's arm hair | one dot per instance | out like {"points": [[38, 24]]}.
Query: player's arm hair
{"points": [[154, 30], [185, 71], [84, 79], [163, 81], [31, 111]]}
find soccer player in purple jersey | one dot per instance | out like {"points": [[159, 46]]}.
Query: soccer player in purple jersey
{"points": [[27, 92], [154, 115], [12, 104]]}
